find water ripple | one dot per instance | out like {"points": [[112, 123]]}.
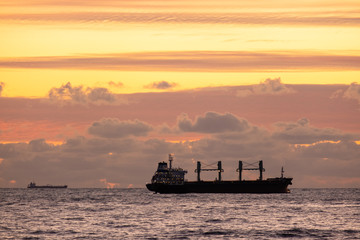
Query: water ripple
{"points": [[139, 214]]}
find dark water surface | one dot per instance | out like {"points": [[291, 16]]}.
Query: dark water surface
{"points": [[140, 214]]}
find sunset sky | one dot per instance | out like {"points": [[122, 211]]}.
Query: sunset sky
{"points": [[96, 93]]}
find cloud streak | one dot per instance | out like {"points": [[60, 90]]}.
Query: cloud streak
{"points": [[176, 4], [208, 61], [166, 4], [242, 18]]}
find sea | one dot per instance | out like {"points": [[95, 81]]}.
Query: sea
{"points": [[140, 214]]}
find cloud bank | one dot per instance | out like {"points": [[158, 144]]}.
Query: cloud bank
{"points": [[118, 152]]}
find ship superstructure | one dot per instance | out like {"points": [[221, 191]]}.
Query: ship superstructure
{"points": [[168, 175]]}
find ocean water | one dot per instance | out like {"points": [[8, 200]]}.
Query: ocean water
{"points": [[140, 214]]}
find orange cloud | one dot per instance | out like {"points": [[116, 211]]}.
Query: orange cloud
{"points": [[109, 185], [116, 84]]}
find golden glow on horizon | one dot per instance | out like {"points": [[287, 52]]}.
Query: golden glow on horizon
{"points": [[316, 143], [55, 143], [66, 29], [109, 185], [182, 140], [21, 41]]}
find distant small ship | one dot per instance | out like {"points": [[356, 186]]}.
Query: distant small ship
{"points": [[33, 185], [171, 180]]}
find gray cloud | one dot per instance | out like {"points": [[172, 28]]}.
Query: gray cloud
{"points": [[68, 93], [161, 85], [343, 151], [208, 61], [40, 145], [100, 94], [231, 146], [213, 122], [353, 92], [1, 87], [114, 128], [268, 87], [301, 132]]}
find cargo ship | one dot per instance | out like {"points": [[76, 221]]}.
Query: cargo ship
{"points": [[172, 180], [33, 185]]}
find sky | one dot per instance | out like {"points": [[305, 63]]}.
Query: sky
{"points": [[96, 93]]}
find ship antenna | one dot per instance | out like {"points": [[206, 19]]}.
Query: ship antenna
{"points": [[170, 161], [282, 172]]}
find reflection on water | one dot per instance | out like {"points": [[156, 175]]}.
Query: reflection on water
{"points": [[140, 214]]}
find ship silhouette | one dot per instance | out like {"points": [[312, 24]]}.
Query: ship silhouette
{"points": [[172, 180], [33, 185]]}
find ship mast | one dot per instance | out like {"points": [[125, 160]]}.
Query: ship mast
{"points": [[170, 161], [260, 168], [240, 170], [199, 169]]}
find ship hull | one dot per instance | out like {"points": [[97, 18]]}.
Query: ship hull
{"points": [[279, 185], [48, 187]]}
